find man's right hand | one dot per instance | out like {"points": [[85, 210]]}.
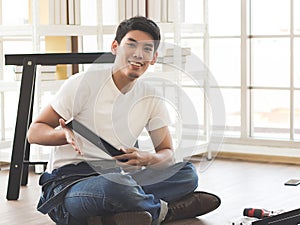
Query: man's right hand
{"points": [[70, 136]]}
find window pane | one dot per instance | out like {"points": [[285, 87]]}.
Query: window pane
{"points": [[15, 47], [88, 12], [193, 11], [297, 115], [88, 16], [196, 46], [232, 101], [107, 40], [110, 12], [297, 16], [224, 17], [270, 62], [12, 15], [225, 61], [196, 96], [11, 100], [297, 62], [271, 114], [89, 43], [270, 17]]}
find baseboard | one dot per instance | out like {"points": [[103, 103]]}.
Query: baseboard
{"points": [[252, 157], [4, 165]]}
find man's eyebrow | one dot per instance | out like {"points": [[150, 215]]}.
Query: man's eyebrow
{"points": [[149, 45], [133, 40]]}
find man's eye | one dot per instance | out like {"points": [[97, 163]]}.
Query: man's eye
{"points": [[131, 45], [148, 49]]}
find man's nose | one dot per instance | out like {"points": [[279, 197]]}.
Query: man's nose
{"points": [[138, 53]]}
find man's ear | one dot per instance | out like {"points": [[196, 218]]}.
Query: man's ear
{"points": [[153, 61], [114, 46]]}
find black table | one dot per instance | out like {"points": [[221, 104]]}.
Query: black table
{"points": [[18, 174]]}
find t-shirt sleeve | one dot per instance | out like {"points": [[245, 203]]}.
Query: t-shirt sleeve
{"points": [[159, 115], [64, 100]]}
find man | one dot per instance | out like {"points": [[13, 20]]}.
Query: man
{"points": [[84, 185]]}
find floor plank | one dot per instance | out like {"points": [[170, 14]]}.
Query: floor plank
{"points": [[239, 184], [246, 184]]}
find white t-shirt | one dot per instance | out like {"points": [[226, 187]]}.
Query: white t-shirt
{"points": [[94, 100]]}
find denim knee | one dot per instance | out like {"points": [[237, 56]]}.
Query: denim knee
{"points": [[124, 194], [191, 176], [108, 193], [121, 187]]}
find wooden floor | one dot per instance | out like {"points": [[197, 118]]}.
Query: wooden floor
{"points": [[239, 184]]}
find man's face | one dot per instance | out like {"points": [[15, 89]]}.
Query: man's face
{"points": [[134, 54]]}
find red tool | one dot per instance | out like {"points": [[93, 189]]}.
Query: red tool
{"points": [[257, 213]]}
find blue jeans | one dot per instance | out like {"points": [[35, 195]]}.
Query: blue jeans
{"points": [[140, 191]]}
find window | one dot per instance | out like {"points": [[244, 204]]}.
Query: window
{"points": [[270, 62], [271, 113], [13, 15], [296, 18], [225, 58], [224, 17], [296, 62], [272, 78], [253, 53], [270, 17], [254, 50]]}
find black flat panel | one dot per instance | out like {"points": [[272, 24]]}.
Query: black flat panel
{"points": [[286, 218]]}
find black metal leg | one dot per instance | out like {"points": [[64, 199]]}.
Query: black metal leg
{"points": [[24, 179], [19, 143]]}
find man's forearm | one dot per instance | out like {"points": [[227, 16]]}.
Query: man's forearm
{"points": [[43, 134], [162, 158]]}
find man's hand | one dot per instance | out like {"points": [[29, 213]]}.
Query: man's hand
{"points": [[70, 136], [134, 157]]}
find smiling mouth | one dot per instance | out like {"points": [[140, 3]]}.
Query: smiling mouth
{"points": [[135, 63]]}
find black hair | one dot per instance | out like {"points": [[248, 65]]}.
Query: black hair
{"points": [[139, 23]]}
